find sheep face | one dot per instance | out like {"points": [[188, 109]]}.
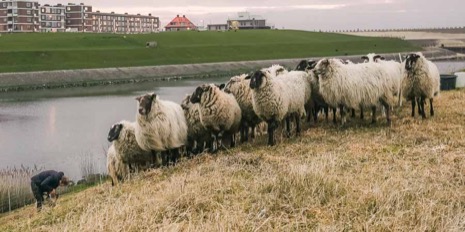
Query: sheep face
{"points": [[306, 65], [145, 103], [257, 80], [220, 86], [322, 68], [410, 61], [114, 132], [185, 103], [365, 59], [197, 95], [231, 84]]}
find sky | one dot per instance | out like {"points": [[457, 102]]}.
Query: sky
{"points": [[299, 14]]}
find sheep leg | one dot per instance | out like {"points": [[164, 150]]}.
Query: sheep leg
{"points": [[431, 109], [334, 115], [373, 116], [288, 126], [297, 123], [271, 128], [174, 155], [233, 139], [315, 114], [413, 107], [252, 135], [353, 113], [388, 112], [361, 113], [326, 109], [246, 133], [343, 114], [421, 107], [164, 158], [420, 112]]}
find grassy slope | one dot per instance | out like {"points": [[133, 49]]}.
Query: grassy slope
{"points": [[29, 52], [410, 177]]}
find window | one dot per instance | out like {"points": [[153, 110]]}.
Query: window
{"points": [[29, 20], [4, 4], [28, 12], [85, 8], [68, 8], [42, 24], [68, 21], [58, 24], [42, 17], [28, 4], [59, 18], [58, 11], [42, 10]]}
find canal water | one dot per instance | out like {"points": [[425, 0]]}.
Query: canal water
{"points": [[63, 129], [66, 129]]}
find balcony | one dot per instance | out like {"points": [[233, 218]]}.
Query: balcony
{"points": [[10, 22]]}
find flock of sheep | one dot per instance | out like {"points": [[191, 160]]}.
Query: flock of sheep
{"points": [[215, 114]]}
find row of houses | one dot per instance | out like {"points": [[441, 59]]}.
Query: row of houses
{"points": [[30, 16], [244, 20]]}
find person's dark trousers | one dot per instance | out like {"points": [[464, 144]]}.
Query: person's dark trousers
{"points": [[38, 194]]}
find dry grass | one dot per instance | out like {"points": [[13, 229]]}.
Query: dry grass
{"points": [[410, 177]]}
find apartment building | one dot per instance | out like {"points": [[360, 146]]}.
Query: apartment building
{"points": [[123, 23], [78, 17], [19, 16], [29, 16], [52, 18]]}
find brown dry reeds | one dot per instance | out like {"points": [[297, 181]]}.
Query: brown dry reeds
{"points": [[362, 177]]}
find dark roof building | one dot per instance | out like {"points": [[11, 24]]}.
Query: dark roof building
{"points": [[180, 24]]}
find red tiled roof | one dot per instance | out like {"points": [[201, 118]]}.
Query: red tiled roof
{"points": [[180, 22]]}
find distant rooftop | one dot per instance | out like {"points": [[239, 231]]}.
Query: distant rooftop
{"points": [[246, 16]]}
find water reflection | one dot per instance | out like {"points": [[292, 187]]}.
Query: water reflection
{"points": [[58, 129]]}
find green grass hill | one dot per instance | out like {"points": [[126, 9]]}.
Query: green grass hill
{"points": [[56, 51]]}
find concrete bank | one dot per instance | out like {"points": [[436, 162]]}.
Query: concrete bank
{"points": [[108, 76]]}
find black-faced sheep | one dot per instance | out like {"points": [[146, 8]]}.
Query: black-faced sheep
{"points": [[160, 126]]}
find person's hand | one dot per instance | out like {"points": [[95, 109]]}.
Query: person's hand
{"points": [[53, 193]]}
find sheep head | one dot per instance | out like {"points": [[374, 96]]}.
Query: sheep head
{"points": [[305, 65], [185, 103], [257, 79], [322, 67], [411, 60], [114, 132], [145, 103], [197, 95], [365, 59]]}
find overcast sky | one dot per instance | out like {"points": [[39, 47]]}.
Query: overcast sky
{"points": [[300, 14]]}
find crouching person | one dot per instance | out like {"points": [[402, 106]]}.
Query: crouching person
{"points": [[46, 182]]}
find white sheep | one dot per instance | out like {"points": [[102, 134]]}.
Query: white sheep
{"points": [[421, 81], [276, 99], [219, 112], [160, 126], [394, 70], [354, 86], [239, 87], [319, 102], [276, 70], [117, 170], [197, 134], [122, 135]]}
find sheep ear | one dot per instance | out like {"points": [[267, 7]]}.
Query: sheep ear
{"points": [[222, 86], [153, 96], [138, 98], [311, 64], [325, 62], [364, 57], [248, 77]]}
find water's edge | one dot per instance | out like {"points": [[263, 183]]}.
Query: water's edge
{"points": [[108, 76]]}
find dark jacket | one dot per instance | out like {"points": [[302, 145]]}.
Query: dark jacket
{"points": [[47, 180]]}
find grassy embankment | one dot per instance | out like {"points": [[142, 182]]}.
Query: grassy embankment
{"points": [[56, 51], [362, 177]]}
